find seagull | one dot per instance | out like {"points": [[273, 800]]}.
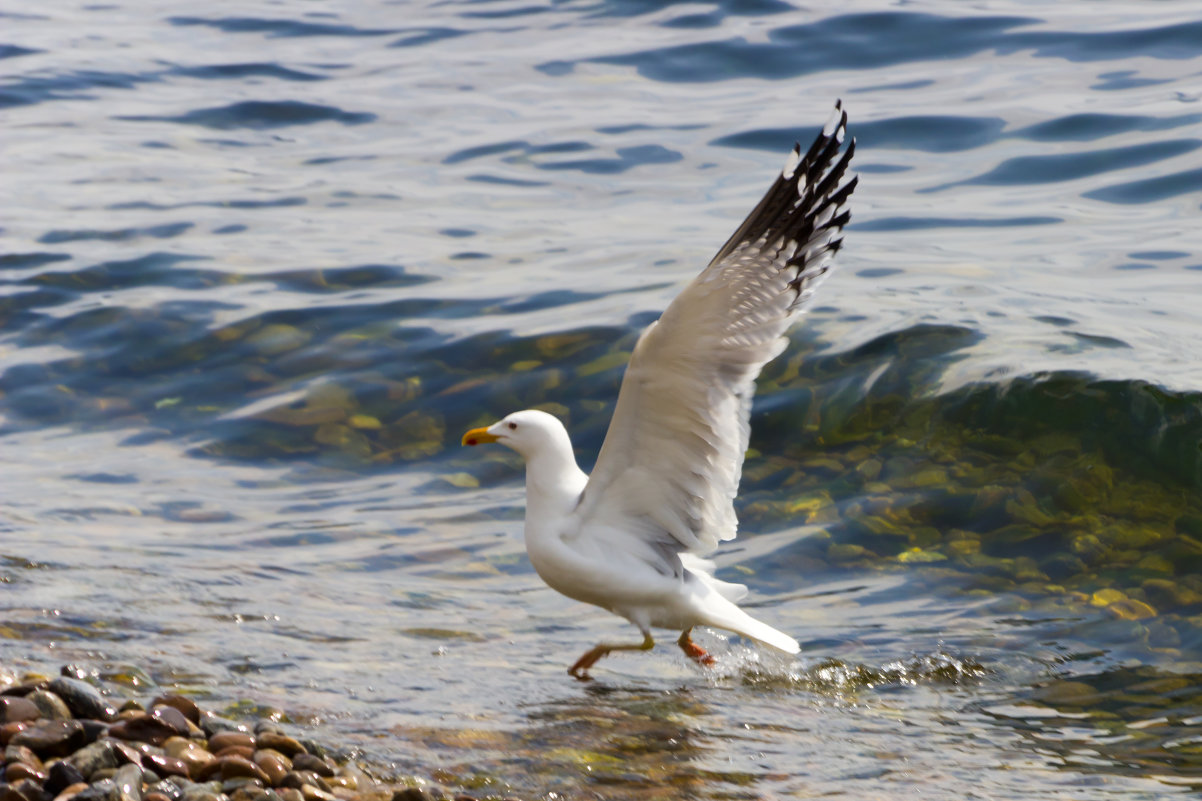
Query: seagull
{"points": [[631, 537]]}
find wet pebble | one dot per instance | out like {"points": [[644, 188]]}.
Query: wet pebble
{"points": [[312, 763], [219, 742], [51, 737], [84, 700], [314, 793], [129, 783], [20, 753], [192, 754], [172, 718], [10, 730], [103, 790], [185, 705], [273, 763], [145, 728], [24, 790], [16, 771], [165, 765], [14, 708], [71, 791], [288, 746], [92, 758], [232, 767], [49, 705], [62, 774]]}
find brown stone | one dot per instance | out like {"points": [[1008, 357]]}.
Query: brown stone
{"points": [[189, 752], [273, 763], [49, 738], [13, 709], [50, 705], [71, 790], [233, 767], [129, 753], [20, 753], [172, 717], [297, 779], [246, 752], [227, 738], [166, 765], [314, 793], [143, 728], [185, 705], [9, 730], [313, 763], [17, 771], [288, 746]]}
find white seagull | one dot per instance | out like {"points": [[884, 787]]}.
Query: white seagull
{"points": [[630, 537]]}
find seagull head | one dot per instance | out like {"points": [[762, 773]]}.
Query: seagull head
{"points": [[529, 432]]}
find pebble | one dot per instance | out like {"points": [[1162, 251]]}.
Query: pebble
{"points": [[310, 762], [190, 753], [24, 790], [62, 774], [206, 791], [312, 793], [103, 790], [16, 771], [226, 739], [20, 753], [273, 763], [84, 700], [288, 746], [410, 794], [233, 767], [70, 791], [89, 759], [129, 782], [143, 728], [172, 717], [50, 705], [165, 765], [51, 737], [185, 705], [14, 708], [235, 750], [9, 730]]}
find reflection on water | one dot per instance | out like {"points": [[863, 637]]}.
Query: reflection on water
{"points": [[258, 269]]}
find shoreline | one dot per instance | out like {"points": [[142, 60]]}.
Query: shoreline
{"points": [[66, 739]]}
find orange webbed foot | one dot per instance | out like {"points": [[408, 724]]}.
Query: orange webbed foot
{"points": [[694, 651]]}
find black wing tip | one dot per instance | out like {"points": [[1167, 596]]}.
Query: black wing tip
{"points": [[794, 207]]}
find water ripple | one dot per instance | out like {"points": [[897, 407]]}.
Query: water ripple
{"points": [[279, 27], [260, 115]]}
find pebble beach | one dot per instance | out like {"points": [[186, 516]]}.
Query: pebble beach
{"points": [[65, 739]]}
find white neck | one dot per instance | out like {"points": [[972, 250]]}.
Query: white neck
{"points": [[553, 483]]}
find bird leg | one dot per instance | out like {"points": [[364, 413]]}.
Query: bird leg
{"points": [[694, 651], [589, 659]]}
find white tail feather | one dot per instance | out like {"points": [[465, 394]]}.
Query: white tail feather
{"points": [[720, 613]]}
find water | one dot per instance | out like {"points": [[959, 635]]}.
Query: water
{"points": [[262, 263]]}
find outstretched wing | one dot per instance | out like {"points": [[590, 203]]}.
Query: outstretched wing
{"points": [[669, 469]]}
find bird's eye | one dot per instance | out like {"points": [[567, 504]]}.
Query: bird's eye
{"points": [[513, 426]]}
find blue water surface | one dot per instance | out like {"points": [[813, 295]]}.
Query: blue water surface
{"points": [[262, 263]]}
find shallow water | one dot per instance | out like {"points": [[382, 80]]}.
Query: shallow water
{"points": [[260, 264]]}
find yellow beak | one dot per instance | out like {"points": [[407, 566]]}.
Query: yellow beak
{"points": [[478, 435]]}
